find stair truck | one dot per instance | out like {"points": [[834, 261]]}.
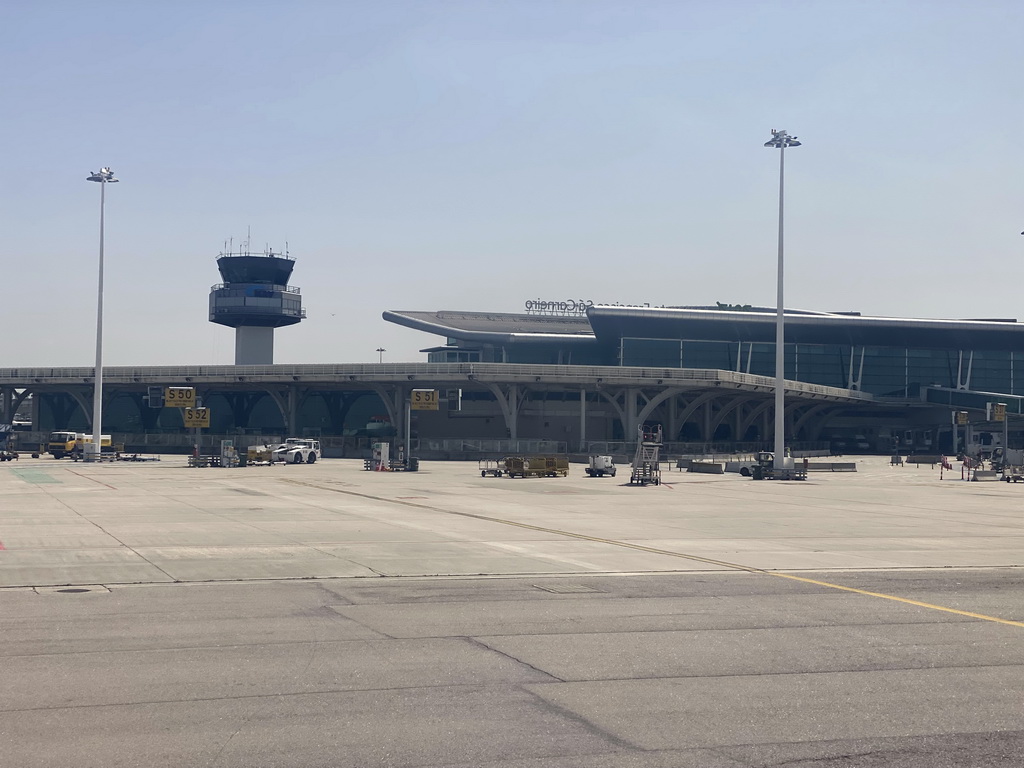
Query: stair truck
{"points": [[646, 462]]}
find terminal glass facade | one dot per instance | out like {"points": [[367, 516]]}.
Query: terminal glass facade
{"points": [[882, 371]]}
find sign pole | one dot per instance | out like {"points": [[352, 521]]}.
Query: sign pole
{"points": [[419, 400], [956, 434], [408, 430], [1002, 415], [193, 414]]}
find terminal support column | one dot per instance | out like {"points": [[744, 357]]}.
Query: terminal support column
{"points": [[612, 397], [508, 401], [286, 405], [36, 413], [632, 419], [392, 397], [293, 410], [79, 397], [583, 418]]}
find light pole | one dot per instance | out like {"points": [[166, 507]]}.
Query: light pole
{"points": [[780, 140], [92, 451], [380, 354]]}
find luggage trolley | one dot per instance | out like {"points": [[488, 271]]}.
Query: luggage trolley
{"points": [[492, 467]]}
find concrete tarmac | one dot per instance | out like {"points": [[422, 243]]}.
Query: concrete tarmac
{"points": [[321, 615]]}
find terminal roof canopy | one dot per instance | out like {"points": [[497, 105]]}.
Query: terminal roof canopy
{"points": [[496, 327], [804, 328], [608, 324]]}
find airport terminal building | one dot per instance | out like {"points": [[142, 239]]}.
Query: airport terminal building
{"points": [[575, 376], [887, 357]]}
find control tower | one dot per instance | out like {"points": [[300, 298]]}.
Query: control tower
{"points": [[254, 299]]}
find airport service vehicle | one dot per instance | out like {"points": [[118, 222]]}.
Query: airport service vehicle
{"points": [[536, 466], [744, 466], [1007, 456], [7, 449], [601, 466], [764, 466], [1010, 462], [72, 444], [297, 450], [60, 444], [760, 467]]}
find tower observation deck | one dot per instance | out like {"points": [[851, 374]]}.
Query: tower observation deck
{"points": [[254, 299]]}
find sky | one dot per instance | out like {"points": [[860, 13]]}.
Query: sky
{"points": [[474, 155]]}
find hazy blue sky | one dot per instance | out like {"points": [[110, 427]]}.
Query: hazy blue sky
{"points": [[472, 155]]}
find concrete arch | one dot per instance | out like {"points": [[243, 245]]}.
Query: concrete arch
{"points": [[14, 403], [756, 413], [619, 411], [510, 400], [85, 405], [727, 408], [654, 402], [392, 397], [282, 403], [801, 421], [338, 405], [240, 403], [696, 403], [148, 417]]}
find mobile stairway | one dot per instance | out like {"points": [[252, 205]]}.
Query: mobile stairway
{"points": [[646, 465]]}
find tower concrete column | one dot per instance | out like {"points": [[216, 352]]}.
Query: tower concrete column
{"points": [[254, 345]]}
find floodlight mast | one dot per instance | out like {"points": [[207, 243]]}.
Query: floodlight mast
{"points": [[92, 451], [780, 140]]}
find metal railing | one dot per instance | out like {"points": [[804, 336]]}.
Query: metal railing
{"points": [[249, 309], [448, 448], [475, 448], [276, 287], [576, 375]]}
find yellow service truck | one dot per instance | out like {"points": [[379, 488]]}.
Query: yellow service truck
{"points": [[72, 444]]}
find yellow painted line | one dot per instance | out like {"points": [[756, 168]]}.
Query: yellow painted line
{"points": [[898, 599], [681, 555]]}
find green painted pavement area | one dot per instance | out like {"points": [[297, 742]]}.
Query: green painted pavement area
{"points": [[35, 476]]}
